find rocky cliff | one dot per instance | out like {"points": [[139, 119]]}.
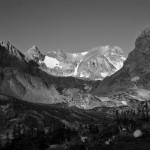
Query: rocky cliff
{"points": [[134, 77]]}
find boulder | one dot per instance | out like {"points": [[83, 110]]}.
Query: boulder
{"points": [[137, 133]]}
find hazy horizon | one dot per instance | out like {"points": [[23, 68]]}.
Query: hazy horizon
{"points": [[73, 25]]}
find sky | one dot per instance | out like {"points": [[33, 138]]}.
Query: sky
{"points": [[73, 25]]}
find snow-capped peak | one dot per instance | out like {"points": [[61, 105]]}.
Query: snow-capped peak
{"points": [[96, 63]]}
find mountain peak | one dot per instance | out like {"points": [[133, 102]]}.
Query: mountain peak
{"points": [[11, 49], [7, 45], [116, 50], [2, 43], [34, 48], [145, 32], [143, 41], [34, 54]]}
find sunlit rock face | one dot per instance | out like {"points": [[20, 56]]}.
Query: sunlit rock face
{"points": [[101, 62], [95, 64], [134, 77]]}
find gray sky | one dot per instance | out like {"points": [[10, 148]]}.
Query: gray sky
{"points": [[73, 25]]}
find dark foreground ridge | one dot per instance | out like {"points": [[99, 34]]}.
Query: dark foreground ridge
{"points": [[26, 125]]}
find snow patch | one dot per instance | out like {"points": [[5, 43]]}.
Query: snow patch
{"points": [[98, 79], [51, 62], [123, 58], [124, 102], [103, 99], [104, 74], [76, 68], [84, 53], [119, 65]]}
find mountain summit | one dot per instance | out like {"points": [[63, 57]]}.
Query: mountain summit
{"points": [[34, 54]]}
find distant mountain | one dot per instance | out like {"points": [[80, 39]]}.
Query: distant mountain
{"points": [[12, 57], [94, 64], [132, 82]]}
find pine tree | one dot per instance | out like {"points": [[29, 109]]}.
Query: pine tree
{"points": [[147, 111]]}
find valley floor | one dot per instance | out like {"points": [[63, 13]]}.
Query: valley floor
{"points": [[29, 126]]}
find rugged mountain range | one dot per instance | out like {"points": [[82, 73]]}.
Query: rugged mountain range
{"points": [[22, 78], [132, 82], [26, 76], [94, 64], [29, 77]]}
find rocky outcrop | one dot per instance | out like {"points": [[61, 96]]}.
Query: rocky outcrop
{"points": [[134, 76], [11, 57], [34, 54]]}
